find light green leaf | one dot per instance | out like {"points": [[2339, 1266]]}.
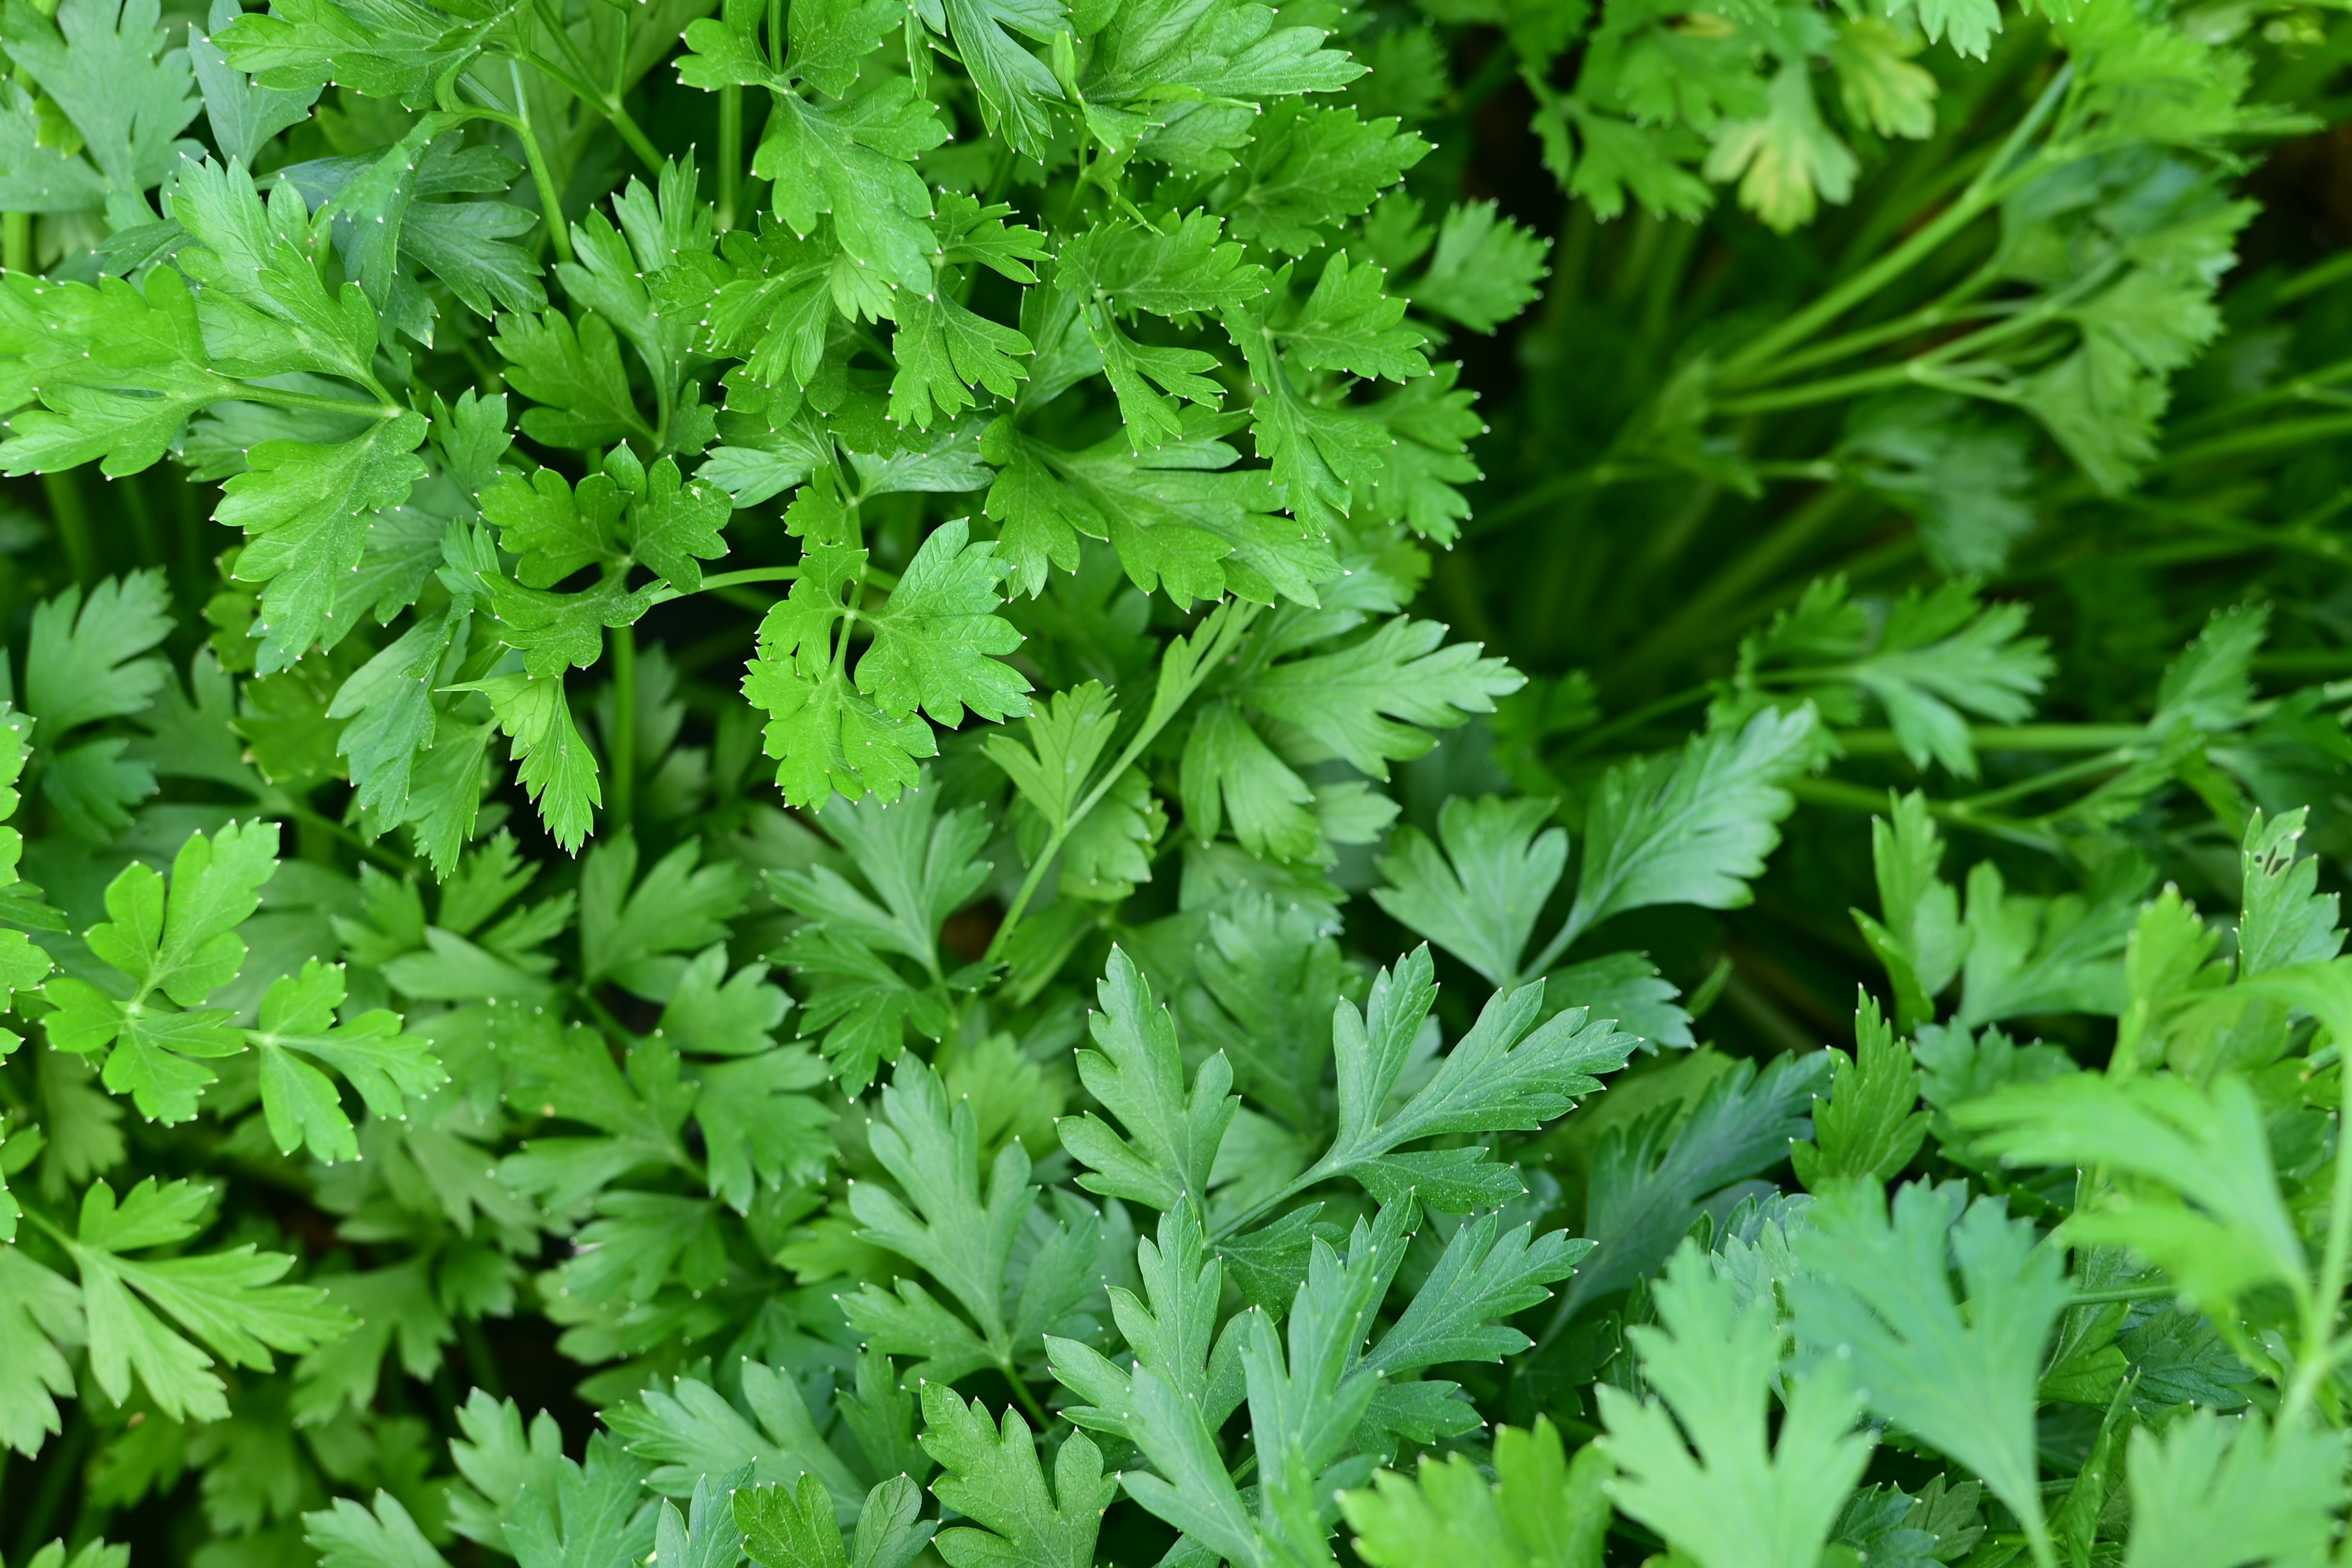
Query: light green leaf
{"points": [[991, 1477], [1870, 1125], [1692, 828], [39, 1312], [1136, 1074], [2210, 1211], [1479, 898], [305, 510], [1957, 1369], [558, 770], [2225, 1492], [1486, 269], [348, 1536], [229, 1299], [1697, 1462]]}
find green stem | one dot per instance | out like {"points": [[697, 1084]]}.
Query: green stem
{"points": [[542, 178], [1167, 702], [484, 1364], [2321, 1351], [722, 580], [2122, 1293], [2304, 662], [2008, 738], [608, 104], [1028, 1400], [142, 514], [1847, 796], [2312, 280], [1827, 391], [74, 531], [1749, 362], [1922, 367], [385, 408], [1494, 72], [1953, 306], [1579, 744], [2260, 438], [625, 725], [2038, 783], [1991, 184], [1598, 476], [621, 1033], [1234, 1223], [1705, 613], [16, 241], [391, 860], [1575, 925], [730, 155], [64, 1470], [2298, 535]]}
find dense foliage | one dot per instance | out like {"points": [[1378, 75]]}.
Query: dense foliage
{"points": [[1047, 782]]}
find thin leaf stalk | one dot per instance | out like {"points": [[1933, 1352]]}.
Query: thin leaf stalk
{"points": [[1992, 182], [1164, 708]]}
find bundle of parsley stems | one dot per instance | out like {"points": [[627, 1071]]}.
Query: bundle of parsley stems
{"points": [[1172, 782]]}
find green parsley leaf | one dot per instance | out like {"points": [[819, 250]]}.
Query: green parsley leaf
{"points": [[1479, 898], [1306, 167], [555, 528], [594, 1516], [934, 642], [943, 350], [709, 1535], [574, 373], [2285, 920], [1877, 1298], [1541, 1510], [1649, 1180], [127, 95], [631, 933], [297, 1020], [1507, 1072], [1136, 1074], [1920, 940], [40, 1311], [1693, 1460], [1348, 324], [1375, 702], [1689, 829], [2212, 1216], [182, 944], [991, 1477], [853, 162], [558, 770], [1181, 517], [1485, 271], [692, 1433], [1869, 1126], [2276, 1489], [960, 1237], [783, 1528], [304, 509], [117, 371], [2029, 955], [229, 1299], [348, 1536], [383, 48], [243, 115]]}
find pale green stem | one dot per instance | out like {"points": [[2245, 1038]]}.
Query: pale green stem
{"points": [[1992, 182]]}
